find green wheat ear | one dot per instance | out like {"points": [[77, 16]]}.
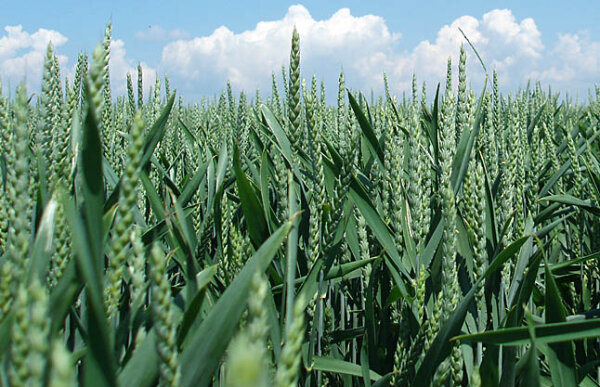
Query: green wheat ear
{"points": [[288, 367], [51, 113], [118, 253], [247, 363], [137, 269], [106, 114], [475, 378], [448, 207], [62, 253], [140, 87], [130, 96], [8, 151], [29, 348], [462, 113], [294, 93], [164, 320], [18, 195], [62, 372], [449, 76], [95, 82]]}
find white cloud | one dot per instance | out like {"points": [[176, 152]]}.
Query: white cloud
{"points": [[156, 33], [574, 62], [22, 54], [363, 45], [523, 36], [247, 59], [119, 65], [503, 43]]}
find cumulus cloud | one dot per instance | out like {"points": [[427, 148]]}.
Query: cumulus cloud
{"points": [[156, 33], [22, 56], [523, 36], [504, 43], [119, 65], [366, 48], [574, 62], [247, 59], [22, 53]]}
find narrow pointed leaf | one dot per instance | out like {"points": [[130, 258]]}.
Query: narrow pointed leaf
{"points": [[205, 348]]}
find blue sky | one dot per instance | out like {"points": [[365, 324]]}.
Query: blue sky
{"points": [[201, 45]]}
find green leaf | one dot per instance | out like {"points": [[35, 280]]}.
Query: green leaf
{"points": [[364, 362], [561, 171], [221, 166], [440, 348], [377, 225], [211, 182], [157, 132], [384, 381], [523, 259], [192, 185], [506, 254], [251, 207], [43, 243], [489, 367], [310, 284], [155, 135], [156, 204], [545, 333], [90, 190], [141, 370], [338, 271], [63, 296], [528, 368], [292, 252], [265, 175], [367, 130], [5, 332], [347, 268], [338, 366], [201, 356], [535, 120], [561, 356], [193, 306], [190, 137], [431, 124], [280, 135], [574, 263], [531, 370], [432, 245], [183, 228], [491, 222], [87, 240], [573, 201], [174, 236], [465, 146]]}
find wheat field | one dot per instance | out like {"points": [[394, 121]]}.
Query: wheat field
{"points": [[271, 239]]}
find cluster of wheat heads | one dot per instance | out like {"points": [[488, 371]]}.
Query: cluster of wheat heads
{"points": [[449, 241]]}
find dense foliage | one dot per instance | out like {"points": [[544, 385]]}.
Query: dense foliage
{"points": [[248, 242]]}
